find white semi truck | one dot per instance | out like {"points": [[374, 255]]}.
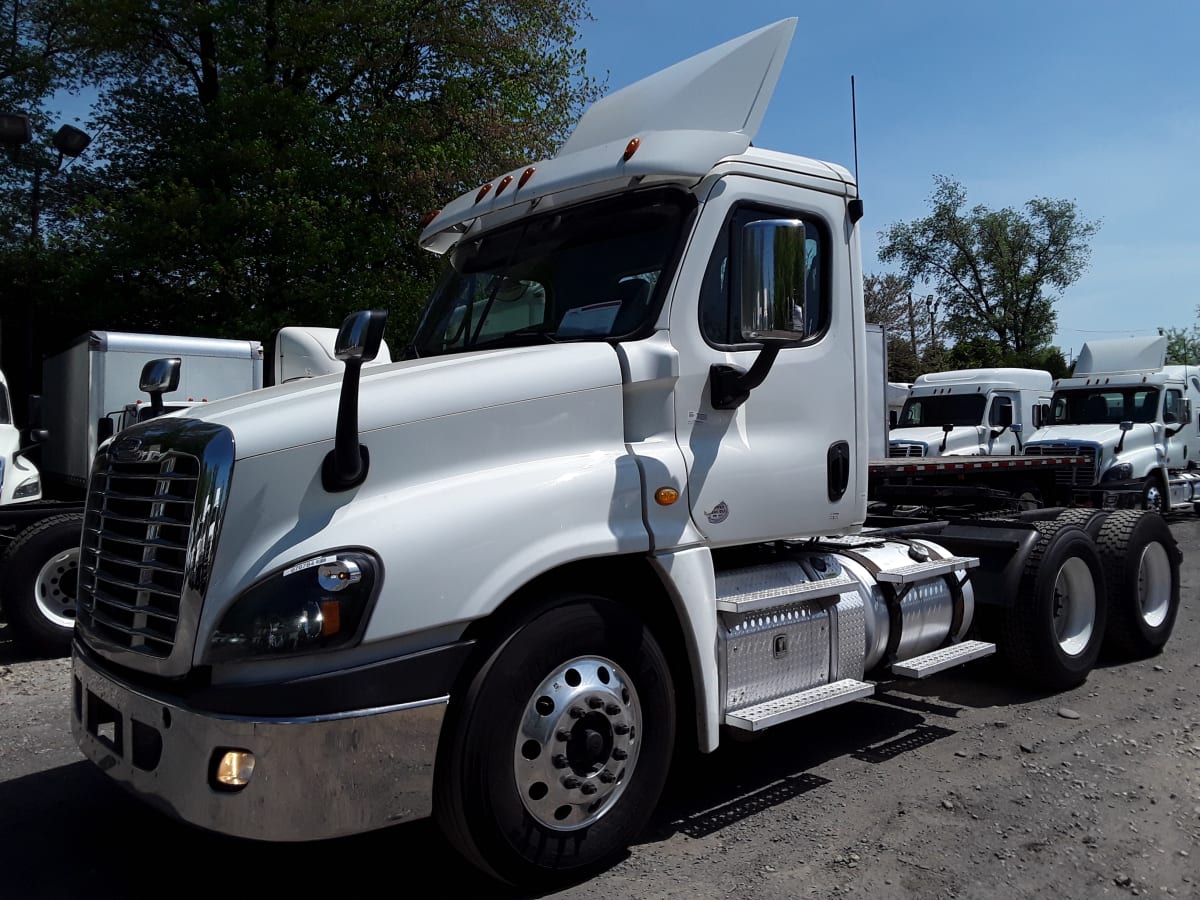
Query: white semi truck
{"points": [[612, 501], [19, 478], [1135, 419], [970, 412]]}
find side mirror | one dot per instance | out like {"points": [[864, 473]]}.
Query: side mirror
{"points": [[358, 340], [359, 337], [1002, 414], [774, 269], [947, 428], [37, 437], [159, 376], [104, 429], [1017, 427], [893, 418]]}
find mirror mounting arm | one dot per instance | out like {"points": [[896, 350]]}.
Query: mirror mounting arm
{"points": [[731, 385], [358, 342]]}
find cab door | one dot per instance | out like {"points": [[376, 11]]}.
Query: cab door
{"points": [[790, 460], [1177, 428]]}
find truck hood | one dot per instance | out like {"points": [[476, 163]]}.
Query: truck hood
{"points": [[305, 412], [1103, 435], [963, 439]]}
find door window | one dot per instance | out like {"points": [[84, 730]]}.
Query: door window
{"points": [[1173, 407], [720, 303]]}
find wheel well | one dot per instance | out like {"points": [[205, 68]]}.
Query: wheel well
{"points": [[627, 580]]}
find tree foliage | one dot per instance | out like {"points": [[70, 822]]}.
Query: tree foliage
{"points": [[999, 272], [1183, 346], [264, 162]]}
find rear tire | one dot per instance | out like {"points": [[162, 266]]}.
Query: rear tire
{"points": [[1141, 564], [40, 573], [1052, 634], [560, 745]]}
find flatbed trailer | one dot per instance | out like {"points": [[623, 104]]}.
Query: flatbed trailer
{"points": [[1024, 481]]}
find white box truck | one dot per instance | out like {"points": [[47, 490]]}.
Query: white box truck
{"points": [[613, 498], [1135, 419]]}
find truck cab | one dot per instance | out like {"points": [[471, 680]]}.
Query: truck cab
{"points": [[1136, 419], [19, 478], [969, 412]]}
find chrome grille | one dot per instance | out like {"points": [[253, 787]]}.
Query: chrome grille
{"points": [[134, 550], [1083, 475], [903, 451]]}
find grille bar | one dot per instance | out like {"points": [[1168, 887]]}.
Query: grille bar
{"points": [[1069, 476], [110, 600]]}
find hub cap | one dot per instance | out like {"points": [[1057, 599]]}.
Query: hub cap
{"points": [[1074, 606], [54, 590], [1154, 584], [577, 743], [1153, 498]]}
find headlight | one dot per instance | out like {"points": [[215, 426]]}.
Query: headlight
{"points": [[1120, 472], [317, 604], [30, 488]]}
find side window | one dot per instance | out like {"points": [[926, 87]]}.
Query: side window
{"points": [[720, 303], [1173, 407]]}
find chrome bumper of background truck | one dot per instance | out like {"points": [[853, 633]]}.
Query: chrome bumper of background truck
{"points": [[318, 777]]}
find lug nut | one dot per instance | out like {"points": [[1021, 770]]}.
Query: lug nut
{"points": [[559, 761], [570, 782], [618, 753], [577, 712], [612, 709], [563, 734], [607, 777], [588, 788], [621, 728], [595, 702]]}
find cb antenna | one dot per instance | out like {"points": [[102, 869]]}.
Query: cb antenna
{"points": [[855, 206]]}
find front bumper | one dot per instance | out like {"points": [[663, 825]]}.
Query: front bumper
{"points": [[314, 777]]}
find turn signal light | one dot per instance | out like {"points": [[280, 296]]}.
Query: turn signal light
{"points": [[665, 496]]}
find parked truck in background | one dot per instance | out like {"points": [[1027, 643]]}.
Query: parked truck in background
{"points": [[970, 412], [1135, 419], [613, 501], [19, 478]]}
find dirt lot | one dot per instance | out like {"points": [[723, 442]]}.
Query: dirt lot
{"points": [[962, 786]]}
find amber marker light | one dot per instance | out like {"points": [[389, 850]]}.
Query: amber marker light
{"points": [[483, 192], [631, 148], [665, 496], [504, 182], [428, 217], [525, 176]]}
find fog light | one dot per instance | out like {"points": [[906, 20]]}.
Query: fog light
{"points": [[235, 768]]}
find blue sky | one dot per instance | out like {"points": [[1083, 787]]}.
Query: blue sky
{"points": [[1096, 102]]}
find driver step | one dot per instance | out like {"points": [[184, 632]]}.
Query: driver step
{"points": [[802, 703], [922, 571], [747, 591], [954, 655]]}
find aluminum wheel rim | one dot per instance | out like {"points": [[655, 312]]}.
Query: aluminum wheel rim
{"points": [[54, 589], [577, 744], [1153, 498], [1154, 584], [1074, 606]]}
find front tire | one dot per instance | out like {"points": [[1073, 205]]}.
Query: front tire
{"points": [[560, 746], [40, 573], [1141, 562], [1052, 635]]}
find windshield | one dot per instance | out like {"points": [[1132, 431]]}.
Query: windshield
{"points": [[5, 413], [946, 409], [1105, 406], [587, 273]]}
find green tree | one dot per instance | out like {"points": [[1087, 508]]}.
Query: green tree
{"points": [[262, 162], [998, 271], [1183, 344]]}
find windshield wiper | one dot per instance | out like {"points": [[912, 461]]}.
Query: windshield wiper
{"points": [[518, 339]]}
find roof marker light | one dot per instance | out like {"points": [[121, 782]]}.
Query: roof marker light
{"points": [[428, 218], [631, 148], [504, 182], [525, 176], [483, 192]]}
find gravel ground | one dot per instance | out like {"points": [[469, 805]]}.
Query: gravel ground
{"points": [[959, 787]]}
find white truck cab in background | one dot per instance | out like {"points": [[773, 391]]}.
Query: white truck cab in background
{"points": [[1135, 417], [969, 412], [19, 478]]}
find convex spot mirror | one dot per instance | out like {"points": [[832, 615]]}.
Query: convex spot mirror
{"points": [[360, 336], [160, 376], [774, 267]]}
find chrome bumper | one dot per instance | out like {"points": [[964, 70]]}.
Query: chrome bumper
{"points": [[314, 778]]}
